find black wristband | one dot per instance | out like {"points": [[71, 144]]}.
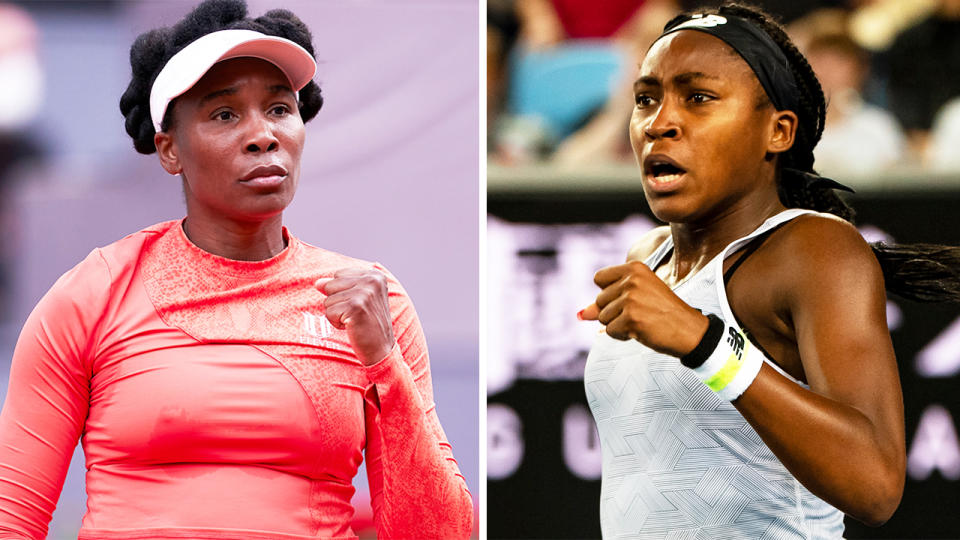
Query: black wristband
{"points": [[708, 343]]}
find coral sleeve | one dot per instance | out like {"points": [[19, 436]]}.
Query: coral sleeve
{"points": [[48, 398], [416, 488]]}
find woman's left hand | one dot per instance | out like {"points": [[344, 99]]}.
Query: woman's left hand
{"points": [[357, 302], [636, 304]]}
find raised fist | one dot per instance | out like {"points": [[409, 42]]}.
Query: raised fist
{"points": [[357, 302], [636, 304]]}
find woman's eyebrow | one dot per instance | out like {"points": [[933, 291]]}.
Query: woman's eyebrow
{"points": [[647, 80], [679, 79], [229, 91], [690, 76], [281, 89]]}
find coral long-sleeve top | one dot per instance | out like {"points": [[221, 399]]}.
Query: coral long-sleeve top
{"points": [[214, 400]]}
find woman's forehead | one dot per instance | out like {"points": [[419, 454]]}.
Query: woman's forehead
{"points": [[225, 77], [693, 51]]}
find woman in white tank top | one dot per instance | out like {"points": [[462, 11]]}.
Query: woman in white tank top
{"points": [[766, 404]]}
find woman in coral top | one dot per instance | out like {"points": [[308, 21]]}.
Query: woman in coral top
{"points": [[226, 378]]}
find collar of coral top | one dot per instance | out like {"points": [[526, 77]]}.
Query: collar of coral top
{"points": [[209, 262]]}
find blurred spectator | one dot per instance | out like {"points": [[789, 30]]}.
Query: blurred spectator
{"points": [[21, 92], [876, 23], [502, 29], [817, 23], [944, 154], [858, 138], [925, 71], [21, 95], [570, 77]]}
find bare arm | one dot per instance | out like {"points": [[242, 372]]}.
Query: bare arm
{"points": [[540, 26], [844, 437]]}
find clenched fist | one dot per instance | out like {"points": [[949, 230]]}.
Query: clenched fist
{"points": [[636, 304], [357, 301]]}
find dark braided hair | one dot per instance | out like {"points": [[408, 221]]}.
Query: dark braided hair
{"points": [[920, 272], [152, 49]]}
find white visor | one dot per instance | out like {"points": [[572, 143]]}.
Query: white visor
{"points": [[188, 66]]}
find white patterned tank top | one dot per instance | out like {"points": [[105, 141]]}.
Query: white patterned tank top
{"points": [[679, 462]]}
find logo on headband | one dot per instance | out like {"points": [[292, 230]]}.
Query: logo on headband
{"points": [[699, 21]]}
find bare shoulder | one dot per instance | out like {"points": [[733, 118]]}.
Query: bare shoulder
{"points": [[823, 235], [648, 243], [824, 251]]}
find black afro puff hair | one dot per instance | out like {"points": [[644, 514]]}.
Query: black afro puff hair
{"points": [[151, 51]]}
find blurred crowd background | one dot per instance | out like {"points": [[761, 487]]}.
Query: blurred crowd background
{"points": [[559, 76], [388, 139]]}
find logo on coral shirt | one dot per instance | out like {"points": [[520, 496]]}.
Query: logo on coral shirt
{"points": [[315, 328]]}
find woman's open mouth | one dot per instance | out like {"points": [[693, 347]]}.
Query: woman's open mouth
{"points": [[662, 171]]}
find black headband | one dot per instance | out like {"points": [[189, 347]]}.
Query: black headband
{"points": [[756, 47]]}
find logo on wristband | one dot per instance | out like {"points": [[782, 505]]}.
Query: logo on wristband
{"points": [[736, 342]]}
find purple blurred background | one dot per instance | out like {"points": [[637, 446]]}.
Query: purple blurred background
{"points": [[390, 172]]}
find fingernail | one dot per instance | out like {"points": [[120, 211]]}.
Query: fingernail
{"points": [[580, 315]]}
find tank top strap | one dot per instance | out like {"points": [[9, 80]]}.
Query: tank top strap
{"points": [[771, 223], [721, 290], [746, 252], [656, 258]]}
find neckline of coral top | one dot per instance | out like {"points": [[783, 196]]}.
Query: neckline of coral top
{"points": [[204, 261]]}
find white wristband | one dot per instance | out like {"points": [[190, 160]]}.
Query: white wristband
{"points": [[732, 365]]}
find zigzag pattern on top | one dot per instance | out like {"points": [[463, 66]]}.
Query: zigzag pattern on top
{"points": [[679, 462]]}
